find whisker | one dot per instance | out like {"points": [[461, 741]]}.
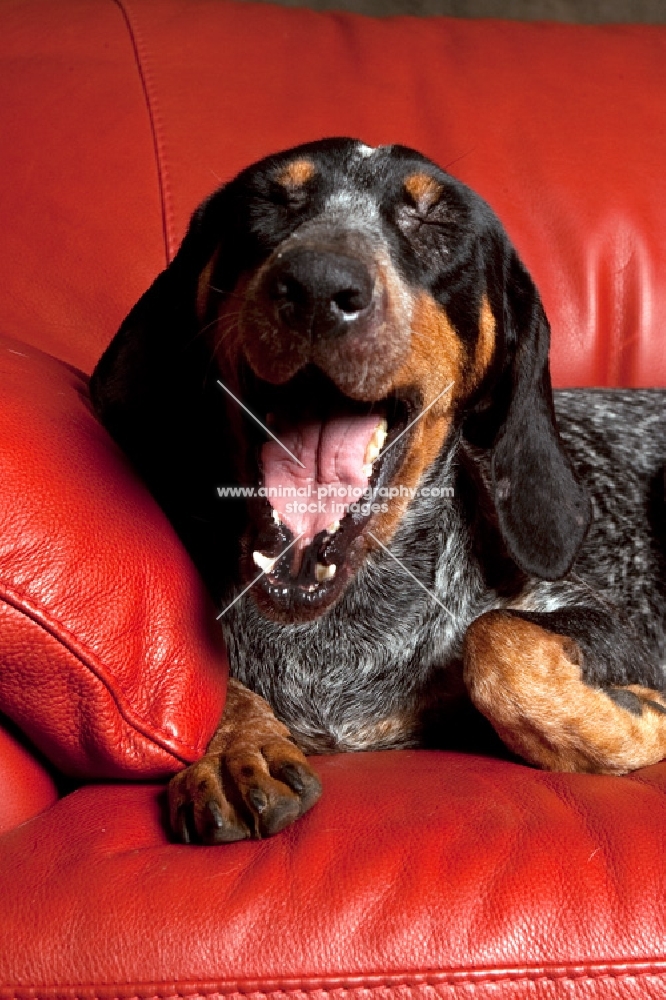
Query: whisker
{"points": [[227, 318]]}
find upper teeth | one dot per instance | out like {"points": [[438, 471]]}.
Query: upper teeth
{"points": [[376, 443], [265, 563]]}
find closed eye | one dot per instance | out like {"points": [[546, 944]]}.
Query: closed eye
{"points": [[424, 229], [435, 220]]}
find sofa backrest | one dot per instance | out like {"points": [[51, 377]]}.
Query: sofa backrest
{"points": [[117, 118]]}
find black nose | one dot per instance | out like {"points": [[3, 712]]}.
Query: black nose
{"points": [[319, 292]]}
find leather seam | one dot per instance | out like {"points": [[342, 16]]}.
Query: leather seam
{"points": [[155, 118], [257, 988], [181, 752]]}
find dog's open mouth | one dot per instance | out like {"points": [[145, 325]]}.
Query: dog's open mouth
{"points": [[321, 479]]}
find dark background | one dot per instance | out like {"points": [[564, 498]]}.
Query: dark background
{"points": [[575, 11]]}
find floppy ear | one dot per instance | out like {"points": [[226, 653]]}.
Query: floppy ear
{"points": [[134, 381], [542, 510], [151, 390]]}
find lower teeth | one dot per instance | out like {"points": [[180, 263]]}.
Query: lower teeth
{"points": [[323, 573]]}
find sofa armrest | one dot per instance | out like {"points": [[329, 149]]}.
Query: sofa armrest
{"points": [[106, 680]]}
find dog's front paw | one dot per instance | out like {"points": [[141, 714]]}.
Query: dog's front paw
{"points": [[247, 790]]}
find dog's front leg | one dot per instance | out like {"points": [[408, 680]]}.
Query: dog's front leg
{"points": [[553, 705], [252, 782]]}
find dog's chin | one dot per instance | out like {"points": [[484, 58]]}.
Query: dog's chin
{"points": [[319, 488], [291, 602]]}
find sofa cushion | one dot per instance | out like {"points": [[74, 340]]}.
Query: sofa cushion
{"points": [[112, 662], [417, 876], [27, 786]]}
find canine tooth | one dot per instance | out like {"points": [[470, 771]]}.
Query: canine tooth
{"points": [[324, 572], [276, 516], [332, 528], [376, 442], [367, 471], [264, 562]]}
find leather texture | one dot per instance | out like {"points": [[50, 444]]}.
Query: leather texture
{"points": [[27, 784], [80, 193], [418, 876], [112, 662]]}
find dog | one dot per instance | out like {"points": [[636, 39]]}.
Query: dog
{"points": [[490, 571]]}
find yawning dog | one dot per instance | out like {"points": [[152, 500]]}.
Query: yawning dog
{"points": [[339, 393]]}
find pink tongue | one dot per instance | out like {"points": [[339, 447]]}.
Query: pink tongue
{"points": [[309, 498]]}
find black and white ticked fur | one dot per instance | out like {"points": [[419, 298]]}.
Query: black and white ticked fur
{"points": [[402, 642]]}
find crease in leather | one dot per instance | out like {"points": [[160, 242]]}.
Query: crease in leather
{"points": [[620, 279], [594, 971], [139, 48], [184, 753]]}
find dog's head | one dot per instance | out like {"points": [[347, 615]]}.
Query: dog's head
{"points": [[359, 308]]}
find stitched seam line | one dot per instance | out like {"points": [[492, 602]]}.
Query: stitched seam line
{"points": [[175, 748], [156, 127], [429, 979]]}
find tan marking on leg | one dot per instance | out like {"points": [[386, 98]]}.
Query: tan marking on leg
{"points": [[247, 719], [297, 173], [252, 781], [424, 190], [396, 730], [527, 682]]}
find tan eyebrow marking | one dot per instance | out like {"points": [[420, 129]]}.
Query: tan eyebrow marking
{"points": [[297, 173], [423, 189]]}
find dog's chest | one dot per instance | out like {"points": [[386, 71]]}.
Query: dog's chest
{"points": [[368, 674], [357, 689]]}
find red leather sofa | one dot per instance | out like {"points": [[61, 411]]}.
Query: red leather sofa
{"points": [[418, 874]]}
